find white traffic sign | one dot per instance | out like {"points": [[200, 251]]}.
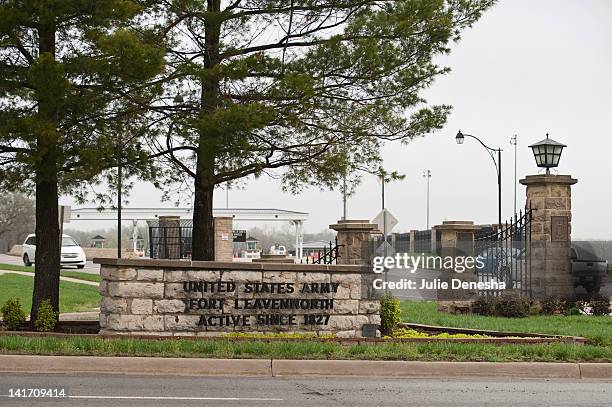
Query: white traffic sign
{"points": [[385, 217]]}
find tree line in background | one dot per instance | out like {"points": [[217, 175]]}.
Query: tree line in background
{"points": [[16, 219], [192, 94]]}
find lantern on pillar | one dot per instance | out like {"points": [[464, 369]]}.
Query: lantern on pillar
{"points": [[547, 153]]}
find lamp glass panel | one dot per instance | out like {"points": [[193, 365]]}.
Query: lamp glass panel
{"points": [[549, 154]]}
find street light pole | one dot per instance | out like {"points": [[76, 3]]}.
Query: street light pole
{"points": [[460, 139], [427, 176], [514, 142]]}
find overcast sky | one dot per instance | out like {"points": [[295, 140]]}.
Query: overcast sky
{"points": [[528, 67]]}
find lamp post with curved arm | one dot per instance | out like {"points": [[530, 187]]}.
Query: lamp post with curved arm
{"points": [[460, 138]]}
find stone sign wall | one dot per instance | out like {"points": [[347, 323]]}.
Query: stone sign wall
{"points": [[183, 298]]}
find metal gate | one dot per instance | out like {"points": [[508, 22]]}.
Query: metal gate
{"points": [[503, 254]]}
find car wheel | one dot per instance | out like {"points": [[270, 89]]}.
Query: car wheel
{"points": [[26, 260], [80, 266]]}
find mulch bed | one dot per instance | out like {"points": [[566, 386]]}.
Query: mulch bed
{"points": [[89, 329]]}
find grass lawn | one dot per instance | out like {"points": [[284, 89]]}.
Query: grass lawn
{"points": [[65, 273], [74, 297], [302, 350], [598, 330]]}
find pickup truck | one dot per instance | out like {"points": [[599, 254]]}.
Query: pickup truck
{"points": [[588, 269]]}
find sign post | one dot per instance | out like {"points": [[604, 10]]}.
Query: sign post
{"points": [[64, 212]]}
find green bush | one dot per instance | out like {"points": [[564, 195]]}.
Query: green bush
{"points": [[573, 311], [511, 306], [47, 317], [12, 314], [484, 305], [389, 314], [600, 305], [556, 306]]}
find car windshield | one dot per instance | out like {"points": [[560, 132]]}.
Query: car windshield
{"points": [[68, 241]]}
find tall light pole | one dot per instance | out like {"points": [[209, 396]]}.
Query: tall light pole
{"points": [[460, 138], [227, 195], [514, 142], [427, 176]]}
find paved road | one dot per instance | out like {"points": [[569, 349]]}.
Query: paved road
{"points": [[191, 391], [89, 266]]}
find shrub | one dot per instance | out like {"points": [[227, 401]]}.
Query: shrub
{"points": [[556, 306], [12, 314], [512, 306], [484, 306], [573, 311], [389, 314], [47, 317], [600, 305]]}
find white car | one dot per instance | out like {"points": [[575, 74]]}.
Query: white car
{"points": [[278, 249], [72, 253]]}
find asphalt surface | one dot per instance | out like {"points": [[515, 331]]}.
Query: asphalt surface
{"points": [[110, 390], [89, 266]]}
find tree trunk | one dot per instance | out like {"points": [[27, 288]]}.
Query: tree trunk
{"points": [[47, 262], [203, 241], [47, 259]]}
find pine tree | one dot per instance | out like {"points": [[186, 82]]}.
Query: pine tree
{"points": [[71, 71], [310, 87]]}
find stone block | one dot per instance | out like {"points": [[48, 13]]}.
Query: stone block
{"points": [[242, 276], [350, 286], [359, 320], [103, 320], [117, 273], [202, 275], [556, 203], [341, 322], [169, 306], [313, 277], [141, 307], [136, 290], [113, 305], [150, 275], [346, 306], [135, 323], [374, 319], [181, 322], [369, 307], [103, 288], [175, 276], [279, 277], [345, 334]]}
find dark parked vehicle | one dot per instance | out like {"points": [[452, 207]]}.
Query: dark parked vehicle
{"points": [[588, 269]]}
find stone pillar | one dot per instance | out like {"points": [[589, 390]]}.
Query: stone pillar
{"points": [[550, 198], [457, 237], [353, 239], [412, 241], [224, 239], [170, 237], [456, 241]]}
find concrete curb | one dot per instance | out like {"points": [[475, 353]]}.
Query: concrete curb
{"points": [[135, 366], [300, 368]]}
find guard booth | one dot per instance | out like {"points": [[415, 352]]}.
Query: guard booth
{"points": [[179, 235]]}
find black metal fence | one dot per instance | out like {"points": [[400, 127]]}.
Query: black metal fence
{"points": [[168, 242], [326, 256], [504, 255], [401, 242]]}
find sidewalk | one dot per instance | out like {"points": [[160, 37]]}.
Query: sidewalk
{"points": [[300, 368], [70, 279]]}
